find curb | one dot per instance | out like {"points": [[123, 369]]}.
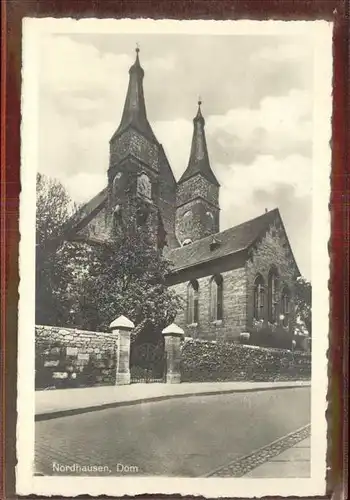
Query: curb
{"points": [[117, 404]]}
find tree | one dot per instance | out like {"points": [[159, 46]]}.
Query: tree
{"points": [[128, 276], [55, 258], [303, 293], [88, 286], [54, 207]]}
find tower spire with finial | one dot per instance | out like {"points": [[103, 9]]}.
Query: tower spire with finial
{"points": [[134, 113], [199, 159], [197, 190]]}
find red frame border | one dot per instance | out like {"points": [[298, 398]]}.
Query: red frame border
{"points": [[334, 10]]}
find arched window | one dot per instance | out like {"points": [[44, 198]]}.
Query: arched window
{"points": [[216, 298], [272, 295], [192, 302], [285, 306], [259, 298]]}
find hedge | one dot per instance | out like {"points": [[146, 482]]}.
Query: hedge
{"points": [[268, 337], [205, 361]]}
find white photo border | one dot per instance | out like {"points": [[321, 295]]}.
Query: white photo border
{"points": [[26, 482]]}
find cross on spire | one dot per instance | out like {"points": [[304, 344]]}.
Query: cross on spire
{"points": [[137, 47]]}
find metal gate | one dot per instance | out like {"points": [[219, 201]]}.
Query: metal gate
{"points": [[147, 362]]}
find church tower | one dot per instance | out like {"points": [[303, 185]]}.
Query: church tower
{"points": [[197, 212], [133, 173]]}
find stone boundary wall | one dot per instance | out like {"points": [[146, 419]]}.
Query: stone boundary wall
{"points": [[212, 361], [66, 357]]}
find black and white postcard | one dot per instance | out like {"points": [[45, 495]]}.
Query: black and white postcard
{"points": [[173, 315]]}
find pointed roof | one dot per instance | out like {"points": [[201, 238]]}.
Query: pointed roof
{"points": [[231, 241], [199, 158], [134, 113]]}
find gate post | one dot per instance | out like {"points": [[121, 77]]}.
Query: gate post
{"points": [[122, 327], [173, 335]]}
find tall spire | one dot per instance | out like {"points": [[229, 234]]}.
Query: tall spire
{"points": [[134, 113], [199, 158]]}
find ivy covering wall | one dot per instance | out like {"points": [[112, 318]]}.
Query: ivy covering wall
{"points": [[211, 361]]}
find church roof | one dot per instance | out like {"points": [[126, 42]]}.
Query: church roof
{"points": [[199, 159], [134, 113], [231, 241], [76, 222], [85, 213], [90, 209]]}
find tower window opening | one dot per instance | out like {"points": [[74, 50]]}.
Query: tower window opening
{"points": [[142, 216], [117, 216]]}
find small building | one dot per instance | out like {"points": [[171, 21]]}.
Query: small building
{"points": [[233, 281]]}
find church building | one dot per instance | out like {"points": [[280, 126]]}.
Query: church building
{"points": [[233, 282]]}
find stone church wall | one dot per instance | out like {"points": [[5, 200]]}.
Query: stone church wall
{"points": [[272, 250], [131, 142], [234, 308], [167, 200], [197, 186], [168, 216], [192, 220], [66, 357]]}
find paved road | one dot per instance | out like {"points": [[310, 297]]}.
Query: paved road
{"points": [[181, 437]]}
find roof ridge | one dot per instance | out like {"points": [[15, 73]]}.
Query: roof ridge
{"points": [[232, 241], [74, 221], [225, 231], [265, 214]]}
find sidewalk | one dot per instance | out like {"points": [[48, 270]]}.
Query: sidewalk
{"points": [[63, 402], [287, 457], [293, 462]]}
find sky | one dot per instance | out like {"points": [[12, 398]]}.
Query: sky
{"points": [[257, 94]]}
